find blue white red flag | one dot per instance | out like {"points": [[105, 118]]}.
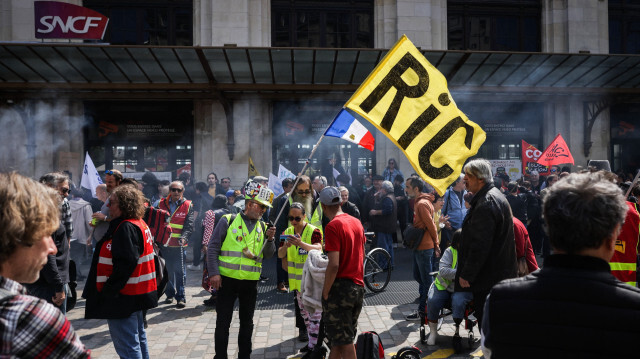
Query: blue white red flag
{"points": [[346, 126]]}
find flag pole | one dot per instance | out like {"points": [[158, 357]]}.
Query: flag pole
{"points": [[304, 168], [631, 186]]}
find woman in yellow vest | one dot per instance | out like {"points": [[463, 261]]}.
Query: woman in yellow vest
{"points": [[442, 290], [295, 244]]}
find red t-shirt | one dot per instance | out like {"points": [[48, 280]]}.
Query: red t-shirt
{"points": [[345, 234]]}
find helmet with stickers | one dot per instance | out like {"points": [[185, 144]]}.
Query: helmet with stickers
{"points": [[258, 192]]}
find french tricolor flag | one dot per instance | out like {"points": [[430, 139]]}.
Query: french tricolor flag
{"points": [[345, 126]]}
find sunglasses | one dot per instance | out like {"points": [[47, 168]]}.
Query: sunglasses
{"points": [[176, 189], [554, 170], [304, 192], [64, 190], [109, 172], [226, 182], [292, 218], [262, 206]]}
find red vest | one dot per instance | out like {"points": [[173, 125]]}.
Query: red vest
{"points": [[178, 217], [623, 262], [143, 278]]}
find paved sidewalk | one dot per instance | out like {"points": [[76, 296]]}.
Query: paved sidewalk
{"points": [[189, 332]]}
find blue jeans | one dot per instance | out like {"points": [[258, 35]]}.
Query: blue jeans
{"points": [[439, 298], [422, 266], [128, 336], [385, 241], [177, 272]]}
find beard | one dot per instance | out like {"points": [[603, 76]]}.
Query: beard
{"points": [[307, 203]]}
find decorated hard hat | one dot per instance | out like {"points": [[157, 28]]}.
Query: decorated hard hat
{"points": [[259, 193]]}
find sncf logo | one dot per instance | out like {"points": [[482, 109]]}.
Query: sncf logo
{"points": [[58, 20]]}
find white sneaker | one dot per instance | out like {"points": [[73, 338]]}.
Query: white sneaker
{"points": [[194, 268]]}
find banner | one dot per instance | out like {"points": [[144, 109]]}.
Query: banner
{"points": [[275, 184], [90, 176], [252, 169], [509, 167], [556, 154], [407, 99], [283, 173], [530, 156]]}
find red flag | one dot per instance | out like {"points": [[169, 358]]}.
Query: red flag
{"points": [[556, 154], [530, 155]]}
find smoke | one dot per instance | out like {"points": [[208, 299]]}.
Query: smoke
{"points": [[41, 136]]}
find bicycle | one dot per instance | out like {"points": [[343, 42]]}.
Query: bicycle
{"points": [[377, 267]]}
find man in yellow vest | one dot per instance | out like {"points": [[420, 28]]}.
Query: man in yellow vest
{"points": [[182, 219], [238, 245]]}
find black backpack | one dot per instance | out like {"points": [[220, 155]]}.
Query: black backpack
{"points": [[369, 346]]}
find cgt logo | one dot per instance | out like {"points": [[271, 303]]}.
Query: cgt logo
{"points": [[535, 154], [58, 20]]}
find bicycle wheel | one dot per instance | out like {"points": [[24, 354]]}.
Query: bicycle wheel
{"points": [[377, 270]]}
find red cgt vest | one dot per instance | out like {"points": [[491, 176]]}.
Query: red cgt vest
{"points": [[143, 278], [178, 217], [623, 262]]}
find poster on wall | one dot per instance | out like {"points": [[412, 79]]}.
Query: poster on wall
{"points": [[511, 167]]}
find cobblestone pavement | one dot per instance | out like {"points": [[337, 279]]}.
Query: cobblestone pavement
{"points": [[189, 332]]}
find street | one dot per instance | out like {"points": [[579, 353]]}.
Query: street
{"points": [[189, 332]]}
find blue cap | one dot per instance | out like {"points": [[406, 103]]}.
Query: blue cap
{"points": [[230, 193]]}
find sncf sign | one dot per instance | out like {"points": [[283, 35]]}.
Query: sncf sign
{"points": [[59, 20]]}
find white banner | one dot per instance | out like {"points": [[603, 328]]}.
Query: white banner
{"points": [[90, 176], [275, 184], [512, 168], [284, 173]]}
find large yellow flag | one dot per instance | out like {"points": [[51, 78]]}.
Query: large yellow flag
{"points": [[252, 169], [407, 99]]}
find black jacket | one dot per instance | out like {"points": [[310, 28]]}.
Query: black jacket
{"points": [[487, 251], [518, 205], [351, 209], [55, 274], [572, 308], [385, 223], [126, 248]]}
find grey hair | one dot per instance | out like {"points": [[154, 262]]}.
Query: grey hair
{"points": [[53, 179], [387, 187], [480, 169], [323, 179], [582, 211], [343, 188], [177, 183], [460, 178]]}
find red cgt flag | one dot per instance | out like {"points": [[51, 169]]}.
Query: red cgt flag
{"points": [[530, 155], [557, 153]]}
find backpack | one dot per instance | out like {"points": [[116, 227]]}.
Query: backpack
{"points": [[412, 237], [369, 346]]}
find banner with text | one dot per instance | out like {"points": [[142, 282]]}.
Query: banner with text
{"points": [[407, 99]]}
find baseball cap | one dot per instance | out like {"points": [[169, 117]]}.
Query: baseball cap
{"points": [[229, 193], [330, 196]]}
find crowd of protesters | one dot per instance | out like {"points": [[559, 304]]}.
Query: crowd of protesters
{"points": [[484, 229]]}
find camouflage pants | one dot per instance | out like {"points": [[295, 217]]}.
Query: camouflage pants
{"points": [[341, 311]]}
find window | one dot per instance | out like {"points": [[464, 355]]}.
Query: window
{"points": [[146, 22], [624, 27], [494, 25], [340, 24]]}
